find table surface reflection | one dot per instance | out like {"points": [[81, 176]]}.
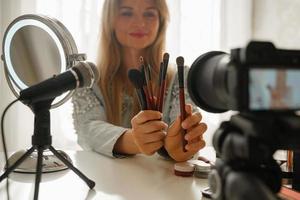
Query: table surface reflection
{"points": [[137, 177]]}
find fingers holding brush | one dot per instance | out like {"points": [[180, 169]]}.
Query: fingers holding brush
{"points": [[148, 131], [192, 119], [194, 137], [194, 129]]}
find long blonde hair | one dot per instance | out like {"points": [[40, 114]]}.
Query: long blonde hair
{"points": [[109, 57]]}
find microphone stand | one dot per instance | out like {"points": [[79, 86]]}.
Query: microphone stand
{"points": [[42, 140]]}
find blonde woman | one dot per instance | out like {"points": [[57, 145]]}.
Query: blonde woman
{"points": [[107, 118]]}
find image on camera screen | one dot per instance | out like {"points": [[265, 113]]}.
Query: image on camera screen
{"points": [[274, 89]]}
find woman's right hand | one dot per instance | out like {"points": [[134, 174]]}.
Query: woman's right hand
{"points": [[148, 131]]}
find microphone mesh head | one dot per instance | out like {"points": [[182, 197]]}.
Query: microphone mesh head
{"points": [[88, 73], [95, 71]]}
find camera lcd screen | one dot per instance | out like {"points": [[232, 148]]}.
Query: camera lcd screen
{"points": [[274, 89]]}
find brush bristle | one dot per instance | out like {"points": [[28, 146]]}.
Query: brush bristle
{"points": [[166, 56], [165, 67], [135, 77], [180, 61]]}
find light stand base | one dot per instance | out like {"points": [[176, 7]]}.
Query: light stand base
{"points": [[41, 141], [50, 162], [38, 174]]}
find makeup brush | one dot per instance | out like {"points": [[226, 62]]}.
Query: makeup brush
{"points": [[136, 79], [163, 83], [166, 63], [161, 68], [180, 71], [150, 88], [148, 85], [145, 89]]}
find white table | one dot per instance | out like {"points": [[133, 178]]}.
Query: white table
{"points": [[139, 177]]}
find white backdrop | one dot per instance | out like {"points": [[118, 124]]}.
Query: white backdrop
{"points": [[195, 28], [281, 24]]}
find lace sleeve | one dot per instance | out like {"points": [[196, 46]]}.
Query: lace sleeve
{"points": [[94, 133]]}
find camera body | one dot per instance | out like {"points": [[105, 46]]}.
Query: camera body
{"points": [[258, 78], [263, 84]]}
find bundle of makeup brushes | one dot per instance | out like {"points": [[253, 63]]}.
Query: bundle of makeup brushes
{"points": [[142, 81]]}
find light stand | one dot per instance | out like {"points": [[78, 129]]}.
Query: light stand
{"points": [[42, 140]]}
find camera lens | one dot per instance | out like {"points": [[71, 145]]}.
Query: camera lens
{"points": [[207, 81]]}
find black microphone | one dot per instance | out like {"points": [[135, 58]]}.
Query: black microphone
{"points": [[83, 74]]}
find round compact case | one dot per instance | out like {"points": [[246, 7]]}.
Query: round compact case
{"points": [[184, 169]]}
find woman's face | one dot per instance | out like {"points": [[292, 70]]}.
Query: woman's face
{"points": [[137, 23]]}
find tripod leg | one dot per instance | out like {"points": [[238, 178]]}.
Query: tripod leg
{"points": [[38, 174], [16, 164], [296, 173], [89, 182]]}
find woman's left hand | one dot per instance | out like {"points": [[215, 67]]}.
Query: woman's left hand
{"points": [[194, 136]]}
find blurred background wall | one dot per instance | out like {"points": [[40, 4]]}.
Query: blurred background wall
{"points": [[195, 28]]}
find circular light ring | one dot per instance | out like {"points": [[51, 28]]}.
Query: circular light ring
{"points": [[70, 47], [66, 38], [58, 32], [7, 41]]}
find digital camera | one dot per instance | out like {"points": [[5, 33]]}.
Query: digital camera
{"points": [[257, 78]]}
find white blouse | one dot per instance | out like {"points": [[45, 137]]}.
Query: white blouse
{"points": [[94, 133]]}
